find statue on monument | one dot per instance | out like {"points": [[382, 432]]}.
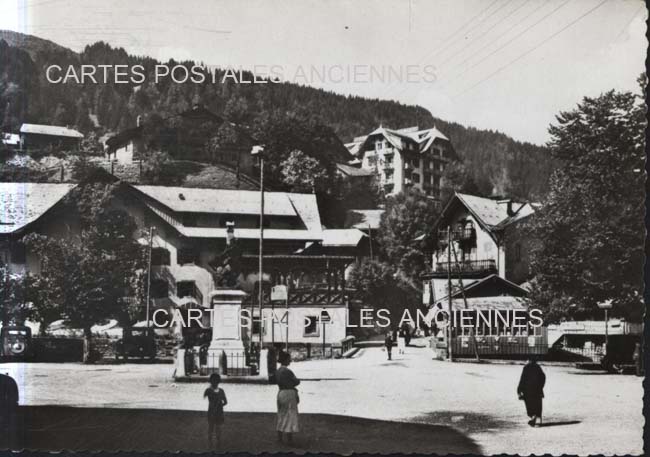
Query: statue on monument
{"points": [[226, 267]]}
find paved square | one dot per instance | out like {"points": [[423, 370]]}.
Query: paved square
{"points": [[412, 387]]}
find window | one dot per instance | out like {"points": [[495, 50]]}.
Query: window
{"points": [[379, 145], [311, 326], [415, 177], [187, 255], [159, 256], [159, 288], [185, 289], [431, 164], [517, 252], [18, 253]]}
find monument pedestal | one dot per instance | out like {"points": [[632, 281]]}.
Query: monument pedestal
{"points": [[226, 329]]}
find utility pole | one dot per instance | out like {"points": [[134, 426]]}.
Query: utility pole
{"points": [[462, 291], [370, 237], [449, 333], [151, 229]]}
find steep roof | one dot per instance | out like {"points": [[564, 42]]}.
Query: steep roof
{"points": [[485, 303], [493, 287], [349, 170], [423, 138], [225, 201], [342, 237], [363, 218], [52, 130], [492, 214], [23, 203]]}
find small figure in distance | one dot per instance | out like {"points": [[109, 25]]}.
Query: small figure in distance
{"points": [[388, 342]]}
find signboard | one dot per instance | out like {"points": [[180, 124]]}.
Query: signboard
{"points": [[279, 293], [607, 304], [325, 317]]}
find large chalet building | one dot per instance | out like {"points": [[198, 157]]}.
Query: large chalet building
{"points": [[403, 158], [189, 228], [481, 249]]}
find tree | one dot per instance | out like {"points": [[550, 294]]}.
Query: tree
{"points": [[590, 229], [158, 169], [17, 292], [457, 177], [407, 216], [89, 279], [305, 174], [379, 285]]}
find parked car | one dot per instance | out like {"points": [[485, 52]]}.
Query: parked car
{"points": [[136, 343], [620, 353], [16, 343]]}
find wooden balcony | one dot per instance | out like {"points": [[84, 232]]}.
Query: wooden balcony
{"points": [[466, 269]]}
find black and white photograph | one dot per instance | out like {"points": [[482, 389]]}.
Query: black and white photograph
{"points": [[335, 226]]}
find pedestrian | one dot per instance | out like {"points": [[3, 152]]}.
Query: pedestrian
{"points": [[216, 401], [287, 422], [406, 329], [531, 390], [9, 431], [388, 342], [401, 341]]}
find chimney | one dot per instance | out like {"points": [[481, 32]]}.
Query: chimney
{"points": [[511, 212]]}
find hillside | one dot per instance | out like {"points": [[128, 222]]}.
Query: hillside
{"points": [[498, 162]]}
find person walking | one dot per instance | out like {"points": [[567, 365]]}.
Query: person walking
{"points": [[388, 342], [287, 421], [216, 401], [531, 390], [401, 341]]}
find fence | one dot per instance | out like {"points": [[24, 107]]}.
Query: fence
{"points": [[227, 364], [347, 343], [499, 345]]}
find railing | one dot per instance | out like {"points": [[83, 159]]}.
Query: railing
{"points": [[499, 345], [468, 266], [347, 343], [233, 364], [463, 234]]}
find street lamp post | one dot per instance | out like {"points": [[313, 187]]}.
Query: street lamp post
{"points": [[258, 151], [606, 305], [151, 229]]}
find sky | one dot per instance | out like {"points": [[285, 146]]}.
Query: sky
{"points": [[506, 65]]}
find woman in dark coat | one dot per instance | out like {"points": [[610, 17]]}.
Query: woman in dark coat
{"points": [[531, 390]]}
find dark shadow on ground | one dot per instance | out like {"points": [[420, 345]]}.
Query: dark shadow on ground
{"points": [[113, 429], [466, 422], [555, 424]]}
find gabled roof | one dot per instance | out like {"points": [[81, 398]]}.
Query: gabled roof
{"points": [[485, 303], [24, 203], [363, 219], [492, 286], [342, 237], [52, 130], [222, 201], [349, 170], [490, 213], [423, 139]]}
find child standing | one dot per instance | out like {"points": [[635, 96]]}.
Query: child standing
{"points": [[216, 401]]}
